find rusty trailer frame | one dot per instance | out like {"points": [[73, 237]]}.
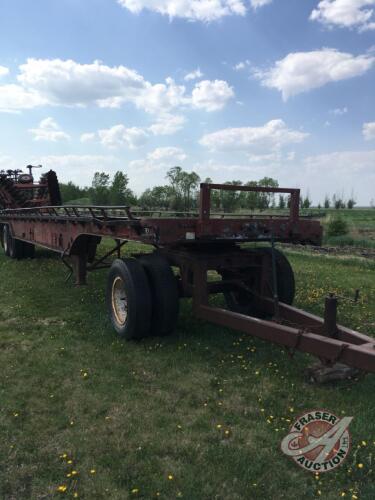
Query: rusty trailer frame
{"points": [[198, 244]]}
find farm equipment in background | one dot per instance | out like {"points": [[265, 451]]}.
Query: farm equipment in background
{"points": [[18, 190], [143, 292]]}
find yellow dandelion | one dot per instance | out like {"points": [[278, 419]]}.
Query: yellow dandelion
{"points": [[70, 461], [75, 495], [360, 466], [170, 477], [62, 488], [135, 491], [74, 472], [92, 471]]}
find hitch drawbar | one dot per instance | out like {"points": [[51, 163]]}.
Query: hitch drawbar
{"points": [[298, 330]]}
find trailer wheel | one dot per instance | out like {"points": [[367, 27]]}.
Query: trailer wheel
{"points": [[129, 299], [13, 247], [16, 249], [244, 302], [5, 240], [164, 293], [286, 286], [28, 250]]}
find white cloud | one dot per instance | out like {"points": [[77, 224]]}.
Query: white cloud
{"points": [[162, 97], [14, 98], [119, 136], [259, 3], [160, 158], [211, 95], [339, 111], [241, 65], [345, 14], [167, 124], [88, 137], [273, 135], [194, 75], [70, 83], [56, 82], [302, 71], [335, 172], [3, 71], [167, 153], [49, 130], [369, 131], [79, 169], [193, 10]]}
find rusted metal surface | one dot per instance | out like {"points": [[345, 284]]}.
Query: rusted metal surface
{"points": [[197, 245], [293, 328], [18, 190], [360, 356]]}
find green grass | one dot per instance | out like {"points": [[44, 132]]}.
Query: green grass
{"points": [[137, 413], [361, 222]]}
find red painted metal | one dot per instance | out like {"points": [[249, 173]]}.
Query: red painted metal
{"points": [[197, 244]]}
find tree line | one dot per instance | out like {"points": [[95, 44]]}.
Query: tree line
{"points": [[180, 193]]}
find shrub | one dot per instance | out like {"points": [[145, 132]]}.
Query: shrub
{"points": [[337, 227]]}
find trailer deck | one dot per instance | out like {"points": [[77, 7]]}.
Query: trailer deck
{"points": [[143, 292]]}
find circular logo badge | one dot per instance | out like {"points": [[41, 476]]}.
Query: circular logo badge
{"points": [[318, 441]]}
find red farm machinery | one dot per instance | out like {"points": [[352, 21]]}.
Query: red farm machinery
{"points": [[208, 255]]}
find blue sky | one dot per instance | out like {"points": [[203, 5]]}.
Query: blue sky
{"points": [[233, 89]]}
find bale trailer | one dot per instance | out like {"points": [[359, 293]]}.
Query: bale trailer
{"points": [[207, 252]]}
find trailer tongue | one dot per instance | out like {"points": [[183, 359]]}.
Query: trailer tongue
{"points": [[143, 293]]}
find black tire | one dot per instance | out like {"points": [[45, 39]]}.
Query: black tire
{"points": [[5, 240], [245, 303], [127, 282], [286, 286], [28, 250], [13, 247], [16, 249], [164, 293]]}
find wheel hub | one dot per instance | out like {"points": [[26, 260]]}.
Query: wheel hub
{"points": [[119, 301]]}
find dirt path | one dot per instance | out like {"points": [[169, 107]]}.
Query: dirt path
{"points": [[368, 253]]}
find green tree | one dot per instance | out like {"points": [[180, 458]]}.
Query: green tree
{"points": [[282, 202], [251, 197], [265, 199], [230, 200], [119, 192], [100, 188], [71, 192]]}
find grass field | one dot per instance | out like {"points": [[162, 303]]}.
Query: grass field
{"points": [[197, 415], [361, 225]]}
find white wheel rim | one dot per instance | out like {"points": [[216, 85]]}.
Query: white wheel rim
{"points": [[119, 301]]}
